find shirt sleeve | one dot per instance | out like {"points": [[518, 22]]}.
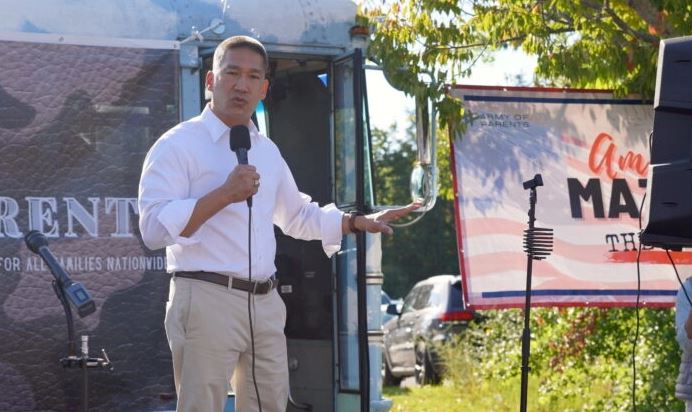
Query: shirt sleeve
{"points": [[299, 217], [682, 310], [163, 203]]}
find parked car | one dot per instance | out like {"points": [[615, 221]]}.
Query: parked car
{"points": [[385, 302], [433, 311]]}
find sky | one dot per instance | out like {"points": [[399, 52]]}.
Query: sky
{"points": [[388, 105]]}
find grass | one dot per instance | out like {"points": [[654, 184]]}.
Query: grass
{"points": [[478, 397], [425, 399]]}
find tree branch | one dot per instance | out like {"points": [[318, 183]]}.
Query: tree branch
{"points": [[503, 41], [651, 15], [605, 7]]}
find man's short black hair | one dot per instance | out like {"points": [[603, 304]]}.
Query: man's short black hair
{"points": [[236, 42]]}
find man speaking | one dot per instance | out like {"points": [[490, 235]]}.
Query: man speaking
{"points": [[213, 210]]}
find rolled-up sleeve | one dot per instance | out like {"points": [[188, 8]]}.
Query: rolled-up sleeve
{"points": [[163, 201], [330, 228], [299, 217]]}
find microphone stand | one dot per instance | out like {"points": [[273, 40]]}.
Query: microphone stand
{"points": [[538, 243], [83, 361]]}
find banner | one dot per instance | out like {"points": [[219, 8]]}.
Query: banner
{"points": [[75, 124], [592, 152]]}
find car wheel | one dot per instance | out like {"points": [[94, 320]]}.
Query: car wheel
{"points": [[425, 374], [387, 378]]}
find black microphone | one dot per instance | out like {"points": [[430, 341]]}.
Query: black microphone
{"points": [[75, 291], [240, 144]]}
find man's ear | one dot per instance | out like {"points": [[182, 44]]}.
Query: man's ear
{"points": [[265, 88], [209, 80]]}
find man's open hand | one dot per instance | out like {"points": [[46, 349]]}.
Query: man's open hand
{"points": [[379, 222]]}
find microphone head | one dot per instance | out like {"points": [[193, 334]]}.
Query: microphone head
{"points": [[35, 240], [240, 138]]}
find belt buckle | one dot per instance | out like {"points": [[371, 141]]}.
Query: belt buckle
{"points": [[270, 285]]}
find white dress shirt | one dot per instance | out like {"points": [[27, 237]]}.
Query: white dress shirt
{"points": [[192, 159]]}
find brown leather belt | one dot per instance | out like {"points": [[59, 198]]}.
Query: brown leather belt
{"points": [[254, 287]]}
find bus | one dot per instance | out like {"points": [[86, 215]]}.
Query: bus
{"points": [[86, 87]]}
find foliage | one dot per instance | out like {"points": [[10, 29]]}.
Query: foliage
{"points": [[611, 44], [579, 356]]}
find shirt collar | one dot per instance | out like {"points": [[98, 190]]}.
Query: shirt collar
{"points": [[218, 129]]}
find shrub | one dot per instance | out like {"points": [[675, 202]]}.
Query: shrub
{"points": [[581, 358]]}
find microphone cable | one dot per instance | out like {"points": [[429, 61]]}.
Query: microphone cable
{"points": [[636, 309], [636, 331], [639, 283], [239, 141], [251, 298]]}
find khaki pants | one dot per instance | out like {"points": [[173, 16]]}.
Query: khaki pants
{"points": [[209, 336]]}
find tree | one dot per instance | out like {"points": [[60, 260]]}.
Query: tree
{"points": [[605, 44]]}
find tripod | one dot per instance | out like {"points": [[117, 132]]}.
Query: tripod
{"points": [[82, 361], [538, 243]]}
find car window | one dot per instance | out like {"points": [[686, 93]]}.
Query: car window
{"points": [[455, 299], [423, 297], [409, 300], [438, 296]]}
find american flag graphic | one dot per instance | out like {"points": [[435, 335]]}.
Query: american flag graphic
{"points": [[592, 151]]}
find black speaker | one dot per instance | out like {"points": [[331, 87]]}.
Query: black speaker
{"points": [[669, 185]]}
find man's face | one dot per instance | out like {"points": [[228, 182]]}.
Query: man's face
{"points": [[237, 85]]}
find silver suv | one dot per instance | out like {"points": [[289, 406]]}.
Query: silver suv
{"points": [[432, 312]]}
